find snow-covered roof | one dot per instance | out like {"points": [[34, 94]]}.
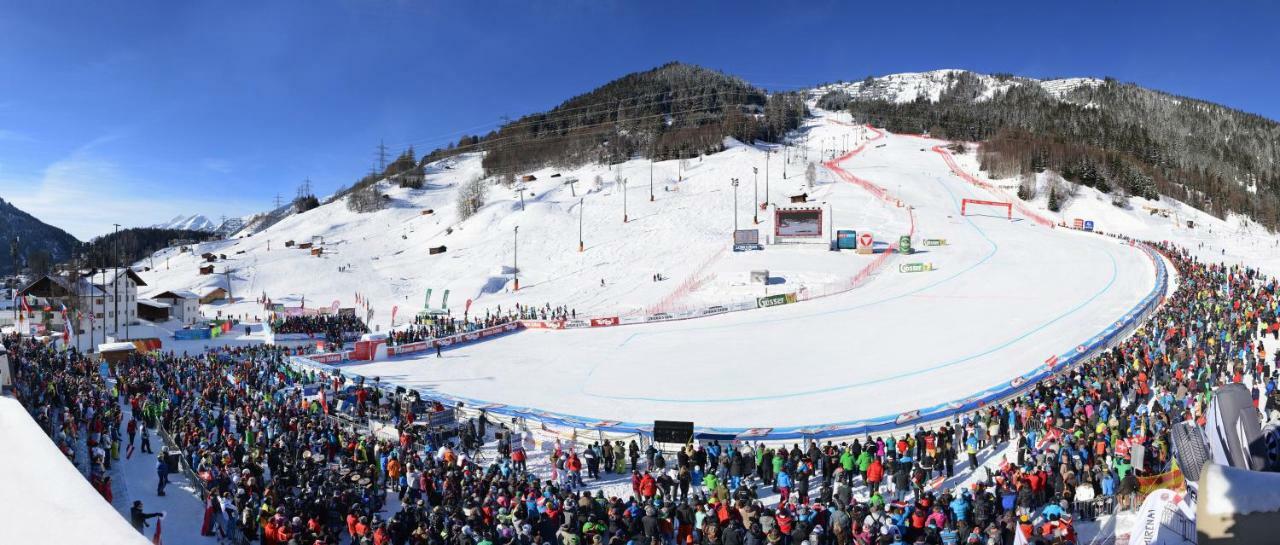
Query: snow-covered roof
{"points": [[206, 290], [115, 347], [175, 294], [153, 303], [45, 498]]}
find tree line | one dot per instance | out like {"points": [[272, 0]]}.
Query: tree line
{"points": [[1113, 136]]}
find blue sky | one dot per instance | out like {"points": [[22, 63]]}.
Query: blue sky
{"points": [[134, 112]]}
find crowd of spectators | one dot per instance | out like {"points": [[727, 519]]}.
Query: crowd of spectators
{"points": [[277, 469], [436, 327], [331, 328]]}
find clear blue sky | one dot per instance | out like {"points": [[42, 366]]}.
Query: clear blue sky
{"points": [[133, 112]]}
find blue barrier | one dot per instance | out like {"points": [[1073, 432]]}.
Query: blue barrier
{"points": [[919, 417], [192, 334]]}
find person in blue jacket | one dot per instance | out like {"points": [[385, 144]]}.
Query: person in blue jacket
{"points": [[784, 484], [162, 474], [960, 506]]}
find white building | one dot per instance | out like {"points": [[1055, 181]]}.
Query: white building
{"points": [[183, 305], [104, 302]]}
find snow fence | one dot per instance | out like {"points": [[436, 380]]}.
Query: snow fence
{"points": [[573, 427]]}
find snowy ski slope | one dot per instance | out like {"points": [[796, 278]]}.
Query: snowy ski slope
{"points": [[1004, 296]]}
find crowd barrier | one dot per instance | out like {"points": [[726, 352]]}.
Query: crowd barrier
{"points": [[928, 416], [455, 340]]}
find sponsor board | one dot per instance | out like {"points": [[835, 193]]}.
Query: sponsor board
{"points": [[684, 314], [714, 309], [332, 357], [658, 317], [1051, 362], [846, 239], [907, 417], [904, 244], [543, 324], [775, 300], [604, 322], [1078, 223], [1088, 225], [755, 432], [866, 242], [935, 242], [915, 267], [576, 324]]}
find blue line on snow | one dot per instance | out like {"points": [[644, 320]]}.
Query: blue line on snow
{"points": [[1006, 344]]}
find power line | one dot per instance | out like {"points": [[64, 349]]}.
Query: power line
{"points": [[382, 156]]}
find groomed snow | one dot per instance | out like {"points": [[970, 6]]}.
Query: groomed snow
{"points": [[46, 499], [1004, 296]]}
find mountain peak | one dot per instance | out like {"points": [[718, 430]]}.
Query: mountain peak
{"points": [[194, 222]]}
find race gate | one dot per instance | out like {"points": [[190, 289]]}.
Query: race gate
{"points": [[966, 203]]}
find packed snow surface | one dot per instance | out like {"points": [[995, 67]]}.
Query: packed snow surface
{"points": [[1003, 296], [46, 499]]}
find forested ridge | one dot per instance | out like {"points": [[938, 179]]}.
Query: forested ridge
{"points": [[1117, 137], [675, 110]]}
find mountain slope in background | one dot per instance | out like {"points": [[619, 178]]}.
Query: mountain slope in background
{"points": [[1115, 137], [195, 222], [675, 110], [137, 242], [33, 241]]}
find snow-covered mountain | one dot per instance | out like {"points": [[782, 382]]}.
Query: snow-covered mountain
{"points": [[911, 86], [195, 222]]}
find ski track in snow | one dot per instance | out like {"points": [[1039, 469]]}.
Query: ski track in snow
{"points": [[1010, 293]]}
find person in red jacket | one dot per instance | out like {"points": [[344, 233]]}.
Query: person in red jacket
{"points": [[875, 472], [352, 520], [648, 486]]}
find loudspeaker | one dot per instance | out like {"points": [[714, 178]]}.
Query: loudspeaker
{"points": [[666, 431]]}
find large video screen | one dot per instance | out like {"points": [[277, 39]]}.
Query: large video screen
{"points": [[798, 223]]}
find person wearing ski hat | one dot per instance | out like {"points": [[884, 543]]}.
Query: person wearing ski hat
{"points": [[138, 518]]}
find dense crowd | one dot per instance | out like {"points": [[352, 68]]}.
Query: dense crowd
{"points": [[279, 469], [546, 312], [426, 328], [331, 328]]}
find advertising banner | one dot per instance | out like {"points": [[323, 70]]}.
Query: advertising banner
{"points": [[846, 239], [576, 324], [775, 300], [714, 309], [904, 244], [866, 242], [604, 322], [935, 242], [915, 267]]}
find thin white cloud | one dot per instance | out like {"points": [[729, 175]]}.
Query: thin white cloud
{"points": [[84, 195], [221, 166], [7, 135]]}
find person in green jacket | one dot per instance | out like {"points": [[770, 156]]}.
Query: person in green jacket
{"points": [[709, 482], [864, 461], [846, 461]]}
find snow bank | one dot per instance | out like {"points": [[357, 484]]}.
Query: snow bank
{"points": [[45, 499]]}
